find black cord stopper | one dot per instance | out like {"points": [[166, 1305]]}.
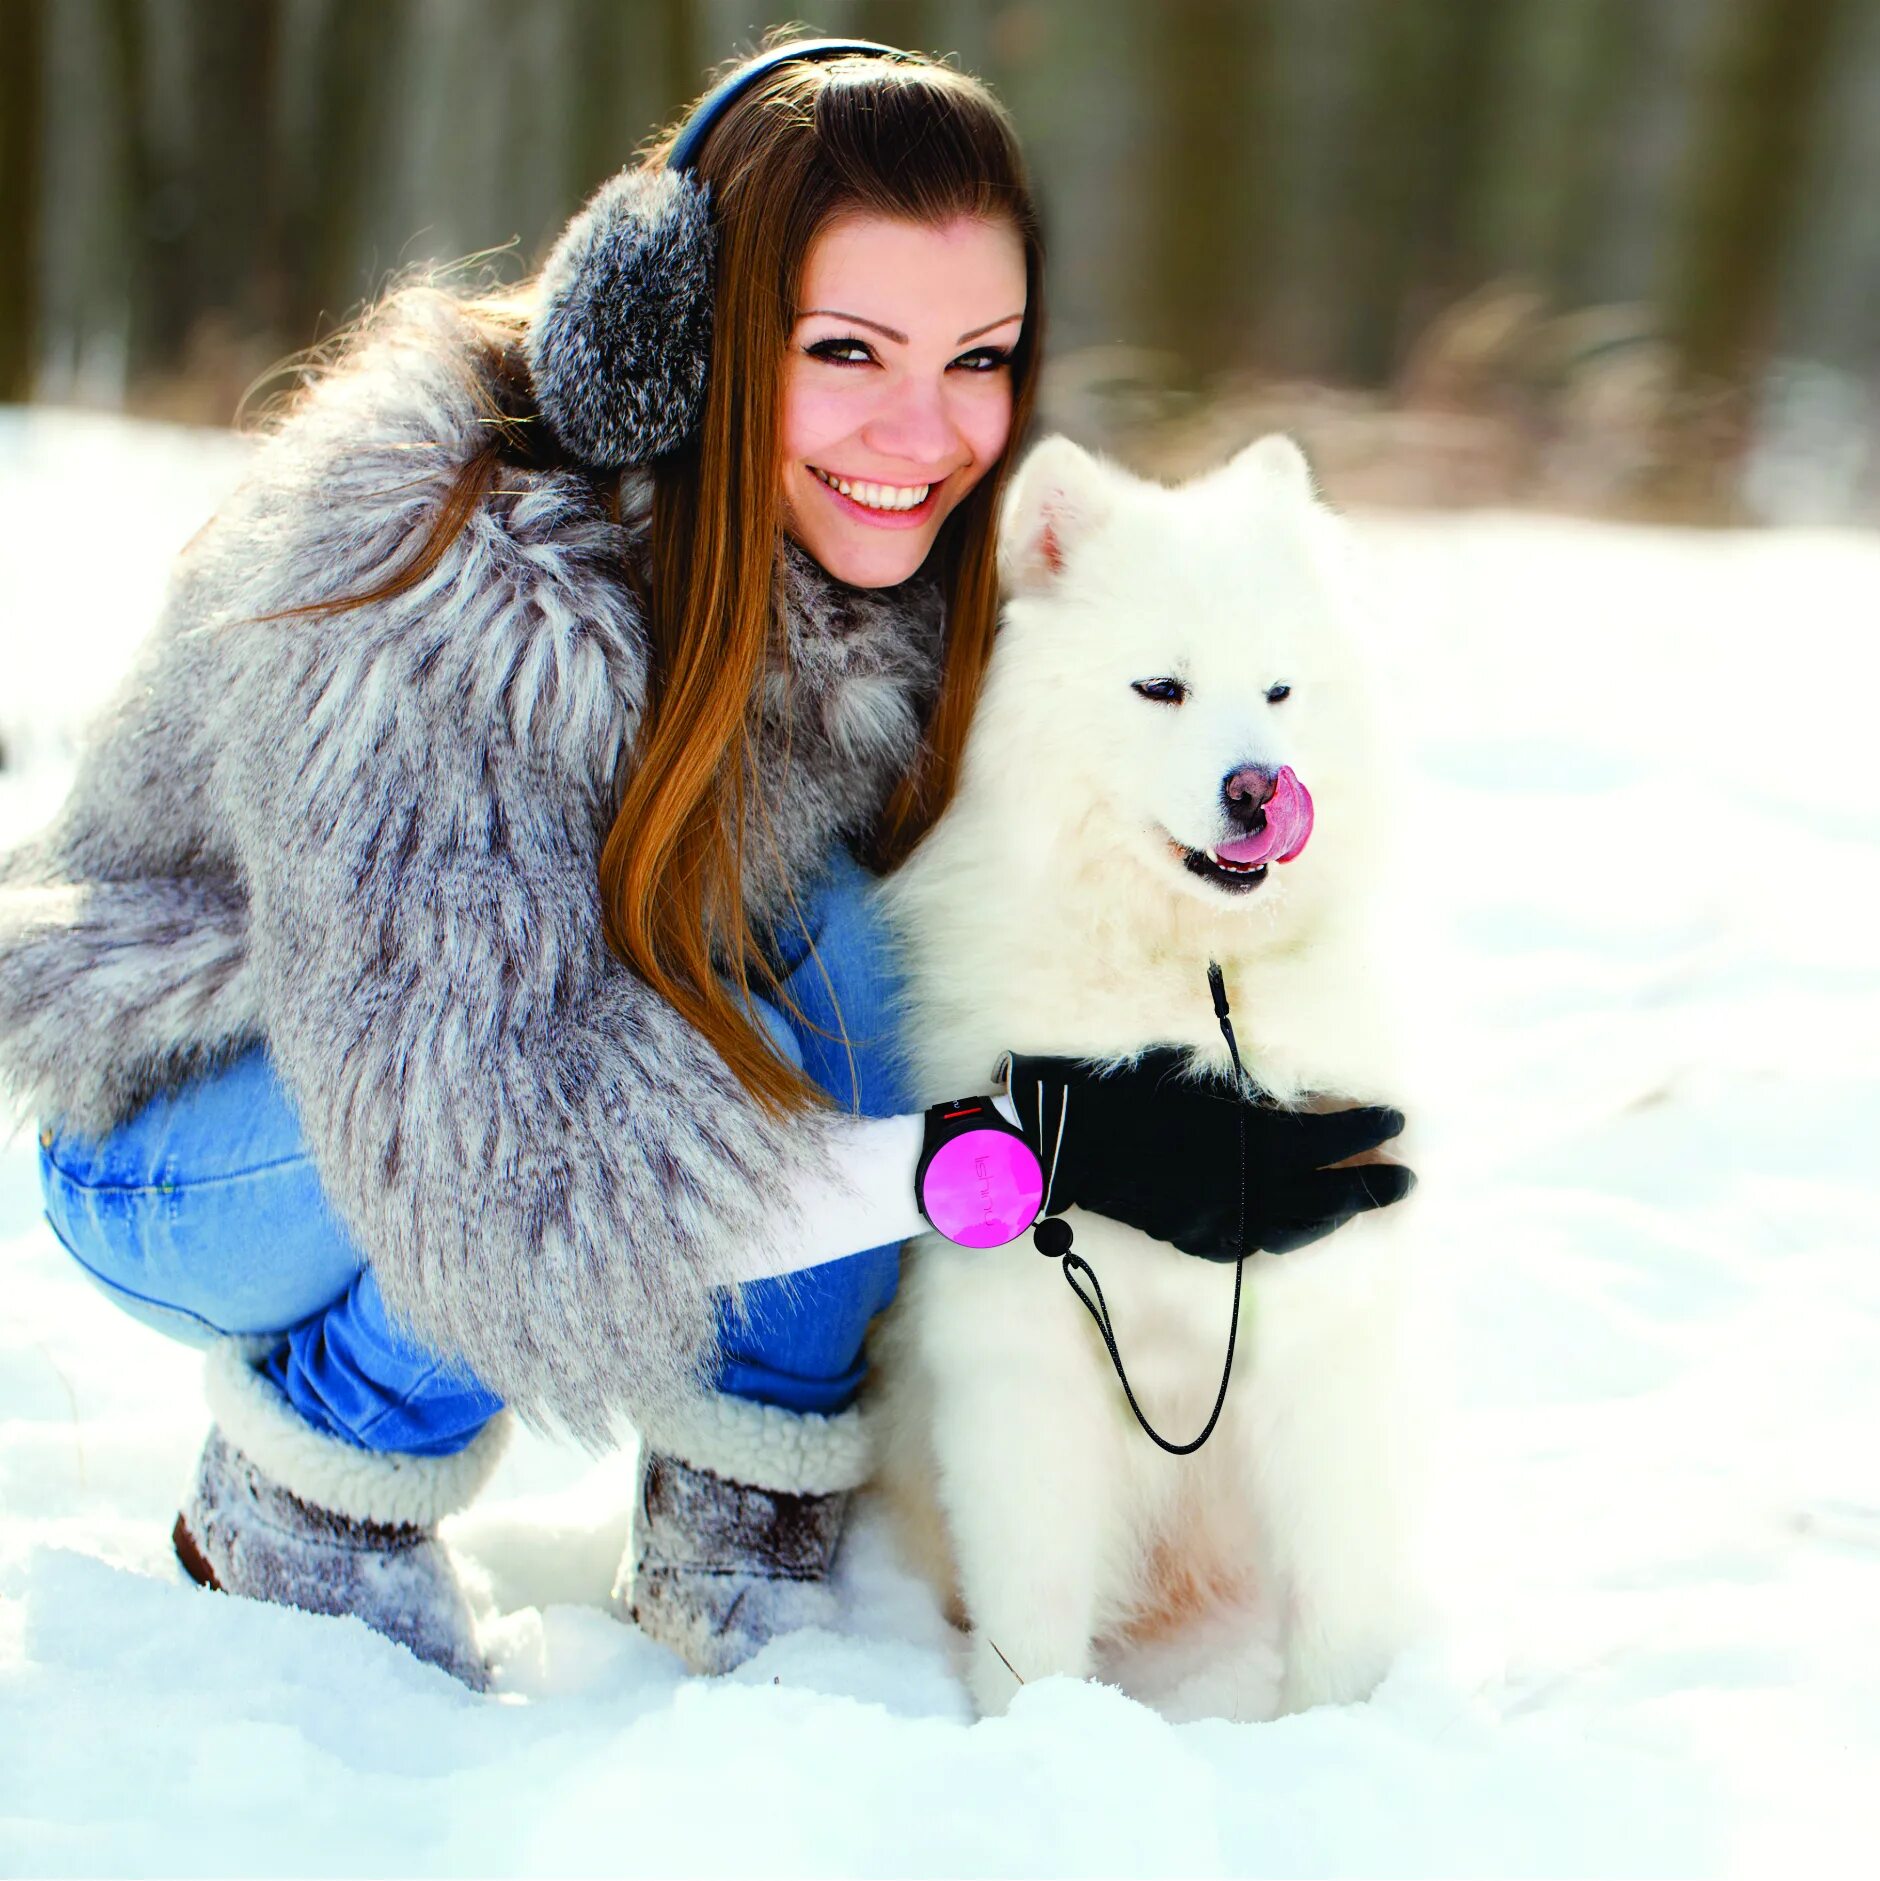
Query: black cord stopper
{"points": [[1052, 1237]]}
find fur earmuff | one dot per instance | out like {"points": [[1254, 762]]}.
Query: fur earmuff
{"points": [[620, 348]]}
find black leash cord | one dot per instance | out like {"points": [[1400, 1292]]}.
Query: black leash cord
{"points": [[1052, 1238]]}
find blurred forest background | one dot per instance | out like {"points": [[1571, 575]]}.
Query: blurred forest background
{"points": [[1614, 256]]}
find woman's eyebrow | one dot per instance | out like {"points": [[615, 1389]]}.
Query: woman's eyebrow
{"points": [[900, 339], [836, 313], [989, 326]]}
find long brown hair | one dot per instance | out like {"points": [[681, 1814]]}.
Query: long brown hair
{"points": [[806, 144], [907, 138]]}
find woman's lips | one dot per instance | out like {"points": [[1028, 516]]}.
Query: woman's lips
{"points": [[881, 518]]}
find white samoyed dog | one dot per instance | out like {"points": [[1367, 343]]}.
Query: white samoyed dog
{"points": [[1157, 642]]}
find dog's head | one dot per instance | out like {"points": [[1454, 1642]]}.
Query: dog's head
{"points": [[1179, 668]]}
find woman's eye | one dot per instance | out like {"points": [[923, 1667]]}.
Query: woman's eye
{"points": [[842, 351], [985, 359], [1274, 694], [1165, 691]]}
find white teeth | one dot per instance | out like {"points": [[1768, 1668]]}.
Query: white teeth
{"points": [[877, 495]]}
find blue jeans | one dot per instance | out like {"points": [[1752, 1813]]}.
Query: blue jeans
{"points": [[203, 1217]]}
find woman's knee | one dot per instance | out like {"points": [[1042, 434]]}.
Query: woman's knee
{"points": [[202, 1215]]}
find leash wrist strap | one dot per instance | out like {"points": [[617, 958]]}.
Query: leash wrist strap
{"points": [[979, 1181]]}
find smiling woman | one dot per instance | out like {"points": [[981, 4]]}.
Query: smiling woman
{"points": [[509, 990], [888, 424]]}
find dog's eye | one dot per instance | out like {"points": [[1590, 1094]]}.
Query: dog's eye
{"points": [[1167, 691], [1274, 694]]}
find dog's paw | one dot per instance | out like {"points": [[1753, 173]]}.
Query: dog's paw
{"points": [[990, 1677], [997, 1667]]}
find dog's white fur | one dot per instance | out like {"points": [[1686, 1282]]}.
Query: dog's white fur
{"points": [[1048, 912]]}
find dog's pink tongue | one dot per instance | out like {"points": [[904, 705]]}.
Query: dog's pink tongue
{"points": [[1288, 824]]}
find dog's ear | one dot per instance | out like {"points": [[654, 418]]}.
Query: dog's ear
{"points": [[1275, 459], [1060, 494]]}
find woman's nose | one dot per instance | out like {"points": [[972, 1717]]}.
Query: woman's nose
{"points": [[914, 422]]}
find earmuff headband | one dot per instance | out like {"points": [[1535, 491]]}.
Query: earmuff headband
{"points": [[716, 102], [621, 345]]}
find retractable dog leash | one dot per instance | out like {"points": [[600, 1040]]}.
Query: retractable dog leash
{"points": [[1052, 1238]]}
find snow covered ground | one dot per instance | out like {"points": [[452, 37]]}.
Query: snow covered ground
{"points": [[1644, 804]]}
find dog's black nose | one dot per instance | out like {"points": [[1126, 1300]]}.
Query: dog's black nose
{"points": [[1244, 795]]}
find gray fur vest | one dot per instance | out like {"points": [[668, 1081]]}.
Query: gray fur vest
{"points": [[369, 839]]}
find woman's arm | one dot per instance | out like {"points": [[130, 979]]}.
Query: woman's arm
{"points": [[549, 1170], [1145, 1143], [863, 1199]]}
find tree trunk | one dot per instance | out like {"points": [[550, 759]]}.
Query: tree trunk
{"points": [[327, 200], [125, 80], [22, 34], [1746, 163], [1201, 64], [1417, 132], [907, 23]]}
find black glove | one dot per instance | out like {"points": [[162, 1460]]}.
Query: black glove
{"points": [[1161, 1151]]}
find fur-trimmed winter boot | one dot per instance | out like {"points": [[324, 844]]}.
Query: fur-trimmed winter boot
{"points": [[735, 1530], [282, 1512]]}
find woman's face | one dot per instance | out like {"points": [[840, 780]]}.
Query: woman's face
{"points": [[897, 392]]}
